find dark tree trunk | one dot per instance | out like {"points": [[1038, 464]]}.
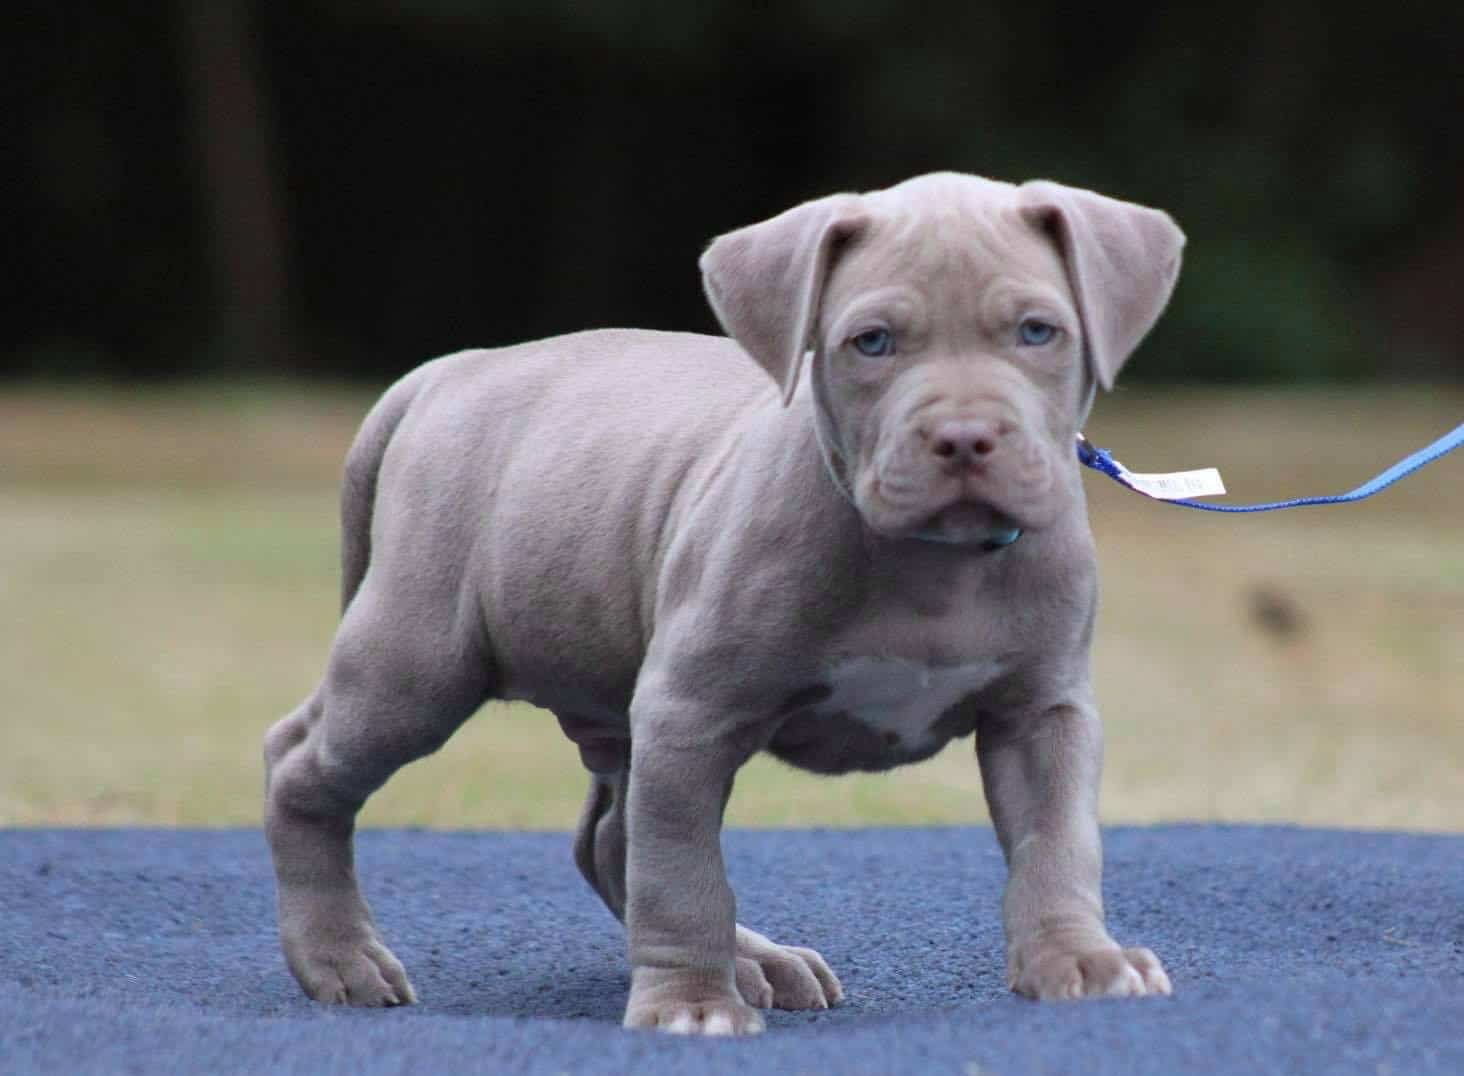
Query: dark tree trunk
{"points": [[245, 226]]}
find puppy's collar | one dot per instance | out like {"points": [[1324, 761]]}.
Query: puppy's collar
{"points": [[828, 451], [994, 541]]}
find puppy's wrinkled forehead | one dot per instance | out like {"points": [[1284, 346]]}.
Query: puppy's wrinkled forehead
{"points": [[955, 240]]}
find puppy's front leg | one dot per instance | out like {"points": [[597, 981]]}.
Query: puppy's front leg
{"points": [[1041, 773], [680, 912]]}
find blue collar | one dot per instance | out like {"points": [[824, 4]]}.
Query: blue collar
{"points": [[998, 540], [1001, 539]]}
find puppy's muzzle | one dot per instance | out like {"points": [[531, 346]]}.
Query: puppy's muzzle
{"points": [[980, 470], [966, 443]]}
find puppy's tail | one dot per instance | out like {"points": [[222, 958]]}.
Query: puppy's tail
{"points": [[358, 488]]}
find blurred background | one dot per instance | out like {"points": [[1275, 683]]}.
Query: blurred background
{"points": [[231, 223]]}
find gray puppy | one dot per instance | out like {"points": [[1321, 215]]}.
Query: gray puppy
{"points": [[865, 542]]}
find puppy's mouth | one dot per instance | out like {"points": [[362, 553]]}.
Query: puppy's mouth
{"points": [[973, 508], [963, 519], [969, 522]]}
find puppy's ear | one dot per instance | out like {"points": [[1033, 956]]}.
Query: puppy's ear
{"points": [[765, 281], [1122, 261]]}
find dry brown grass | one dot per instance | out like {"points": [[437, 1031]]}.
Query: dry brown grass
{"points": [[167, 574]]}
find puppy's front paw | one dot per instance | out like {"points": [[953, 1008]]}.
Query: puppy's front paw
{"points": [[770, 975], [718, 1017], [688, 1001], [1050, 972]]}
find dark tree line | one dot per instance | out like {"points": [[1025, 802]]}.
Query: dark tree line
{"points": [[345, 188]]}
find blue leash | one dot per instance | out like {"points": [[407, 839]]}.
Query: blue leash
{"points": [[1099, 460]]}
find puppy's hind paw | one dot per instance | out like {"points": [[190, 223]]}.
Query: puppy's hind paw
{"points": [[362, 973], [770, 975]]}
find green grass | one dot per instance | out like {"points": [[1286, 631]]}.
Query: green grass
{"points": [[168, 586]]}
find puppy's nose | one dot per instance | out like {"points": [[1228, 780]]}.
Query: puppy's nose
{"points": [[963, 442]]}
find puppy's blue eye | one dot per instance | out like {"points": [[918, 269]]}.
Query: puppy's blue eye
{"points": [[1034, 333], [876, 343]]}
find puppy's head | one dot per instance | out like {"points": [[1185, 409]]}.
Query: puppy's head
{"points": [[958, 329]]}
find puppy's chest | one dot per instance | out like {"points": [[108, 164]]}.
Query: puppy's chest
{"points": [[900, 697], [872, 713]]}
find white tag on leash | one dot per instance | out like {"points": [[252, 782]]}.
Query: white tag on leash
{"points": [[1178, 485]]}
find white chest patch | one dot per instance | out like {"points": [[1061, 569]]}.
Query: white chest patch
{"points": [[901, 697]]}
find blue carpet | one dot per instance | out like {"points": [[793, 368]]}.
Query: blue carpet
{"points": [[1292, 951]]}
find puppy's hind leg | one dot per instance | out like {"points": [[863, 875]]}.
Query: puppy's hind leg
{"points": [[599, 841], [389, 696]]}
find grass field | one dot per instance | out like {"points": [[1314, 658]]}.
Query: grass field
{"points": [[168, 587]]}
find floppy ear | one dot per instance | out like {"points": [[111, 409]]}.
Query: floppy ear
{"points": [[1122, 262], [765, 281]]}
